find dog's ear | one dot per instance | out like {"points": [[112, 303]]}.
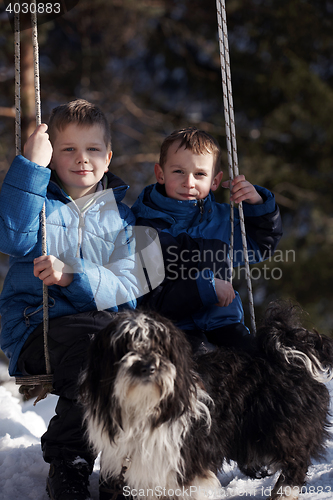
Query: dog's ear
{"points": [[185, 387], [99, 367], [97, 382]]}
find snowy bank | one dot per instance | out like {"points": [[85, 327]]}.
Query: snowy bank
{"points": [[23, 471]]}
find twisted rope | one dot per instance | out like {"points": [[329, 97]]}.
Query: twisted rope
{"points": [[42, 215], [232, 145], [17, 51]]}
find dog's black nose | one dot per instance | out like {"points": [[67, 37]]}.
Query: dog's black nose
{"points": [[148, 368]]}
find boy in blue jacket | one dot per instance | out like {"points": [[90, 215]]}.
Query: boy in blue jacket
{"points": [[194, 233], [90, 269]]}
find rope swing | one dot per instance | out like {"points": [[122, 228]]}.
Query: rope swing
{"points": [[232, 146], [29, 382]]}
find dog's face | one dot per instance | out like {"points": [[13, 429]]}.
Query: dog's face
{"points": [[145, 373], [139, 366]]}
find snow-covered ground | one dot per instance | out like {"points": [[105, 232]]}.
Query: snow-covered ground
{"points": [[23, 471]]}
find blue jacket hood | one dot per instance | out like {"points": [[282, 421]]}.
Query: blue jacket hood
{"points": [[153, 203]]}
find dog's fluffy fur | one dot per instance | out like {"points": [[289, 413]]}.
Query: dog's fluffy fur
{"points": [[177, 418]]}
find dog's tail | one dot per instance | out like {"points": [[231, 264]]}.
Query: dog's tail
{"points": [[283, 338]]}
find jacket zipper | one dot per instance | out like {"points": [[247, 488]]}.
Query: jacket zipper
{"points": [[79, 242], [82, 211], [201, 207]]}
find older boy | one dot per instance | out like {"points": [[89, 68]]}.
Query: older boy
{"points": [[194, 233], [90, 269]]}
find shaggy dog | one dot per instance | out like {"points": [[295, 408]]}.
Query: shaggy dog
{"points": [[166, 421]]}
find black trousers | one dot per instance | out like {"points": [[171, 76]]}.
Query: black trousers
{"points": [[235, 335], [68, 339]]}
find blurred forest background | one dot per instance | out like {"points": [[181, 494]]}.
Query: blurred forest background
{"points": [[153, 66]]}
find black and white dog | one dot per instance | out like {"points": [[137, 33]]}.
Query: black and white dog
{"points": [[165, 422]]}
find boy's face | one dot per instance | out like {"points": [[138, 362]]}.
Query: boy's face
{"points": [[80, 158], [187, 176]]}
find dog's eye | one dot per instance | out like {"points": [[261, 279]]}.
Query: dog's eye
{"points": [[127, 356]]}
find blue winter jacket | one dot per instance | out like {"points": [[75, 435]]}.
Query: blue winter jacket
{"points": [[195, 238], [93, 235]]}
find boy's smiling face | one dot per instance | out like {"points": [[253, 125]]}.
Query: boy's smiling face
{"points": [[80, 158], [186, 175]]}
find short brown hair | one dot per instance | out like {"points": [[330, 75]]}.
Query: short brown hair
{"points": [[80, 112], [197, 141]]}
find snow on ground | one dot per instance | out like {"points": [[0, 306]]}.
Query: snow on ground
{"points": [[23, 471]]}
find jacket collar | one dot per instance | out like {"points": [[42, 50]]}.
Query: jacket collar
{"points": [[153, 203], [109, 181]]}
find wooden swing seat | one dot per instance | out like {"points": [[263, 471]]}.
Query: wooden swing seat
{"points": [[38, 386], [34, 380]]}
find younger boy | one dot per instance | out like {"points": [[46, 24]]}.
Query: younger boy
{"points": [[89, 269], [194, 233]]}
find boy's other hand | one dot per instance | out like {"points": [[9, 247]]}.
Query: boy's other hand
{"points": [[225, 292], [38, 148], [242, 190], [52, 271]]}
